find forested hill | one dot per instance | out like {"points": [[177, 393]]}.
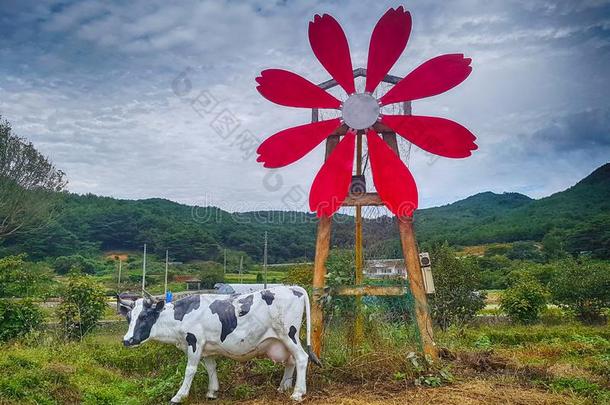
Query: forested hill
{"points": [[91, 224]]}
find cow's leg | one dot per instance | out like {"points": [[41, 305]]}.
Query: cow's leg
{"points": [[288, 377], [210, 366], [300, 359], [191, 369]]}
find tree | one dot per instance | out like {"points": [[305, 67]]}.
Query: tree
{"points": [[456, 282], [524, 300], [21, 279], [28, 181], [582, 286], [524, 251], [82, 305], [553, 244]]}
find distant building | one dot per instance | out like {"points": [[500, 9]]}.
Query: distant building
{"points": [[192, 283], [385, 268]]}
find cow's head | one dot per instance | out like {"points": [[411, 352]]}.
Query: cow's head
{"points": [[141, 316]]}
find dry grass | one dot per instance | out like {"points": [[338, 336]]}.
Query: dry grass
{"points": [[477, 391]]}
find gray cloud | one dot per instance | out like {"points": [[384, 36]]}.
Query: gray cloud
{"points": [[90, 83]]}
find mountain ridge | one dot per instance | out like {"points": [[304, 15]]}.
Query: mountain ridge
{"points": [[89, 224]]}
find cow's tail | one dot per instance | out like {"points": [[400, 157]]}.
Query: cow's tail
{"points": [[310, 353]]}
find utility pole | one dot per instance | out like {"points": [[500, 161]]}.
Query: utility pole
{"points": [[166, 267], [265, 260], [118, 283], [241, 263], [224, 269], [144, 271]]}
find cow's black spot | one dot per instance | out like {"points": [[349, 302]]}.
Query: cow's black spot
{"points": [[226, 314], [268, 296], [246, 303], [292, 333], [296, 292], [145, 321], [186, 305], [191, 340]]}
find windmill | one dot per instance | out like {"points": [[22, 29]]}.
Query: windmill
{"points": [[361, 117]]}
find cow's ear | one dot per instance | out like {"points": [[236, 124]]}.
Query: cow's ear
{"points": [[124, 310], [159, 306]]}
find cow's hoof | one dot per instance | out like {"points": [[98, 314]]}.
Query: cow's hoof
{"points": [[211, 395], [298, 397]]}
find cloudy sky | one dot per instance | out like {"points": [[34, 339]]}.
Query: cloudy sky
{"points": [[127, 97]]}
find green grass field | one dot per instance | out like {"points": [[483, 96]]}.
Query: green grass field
{"points": [[567, 363]]}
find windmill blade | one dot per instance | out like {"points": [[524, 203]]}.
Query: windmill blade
{"points": [[432, 77], [291, 144], [330, 46], [388, 40], [291, 90], [331, 184], [436, 135], [392, 178]]}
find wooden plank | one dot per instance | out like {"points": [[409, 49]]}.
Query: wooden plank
{"points": [[366, 199], [416, 284], [370, 290]]}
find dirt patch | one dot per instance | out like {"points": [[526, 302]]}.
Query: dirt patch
{"points": [[462, 393]]}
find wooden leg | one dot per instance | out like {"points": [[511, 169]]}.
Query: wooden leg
{"points": [[416, 284], [319, 279]]}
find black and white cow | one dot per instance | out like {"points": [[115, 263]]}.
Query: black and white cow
{"points": [[258, 324]]}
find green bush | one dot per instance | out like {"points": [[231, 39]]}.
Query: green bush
{"points": [[64, 264], [583, 286], [456, 281], [18, 318], [19, 278], [524, 301], [82, 305]]}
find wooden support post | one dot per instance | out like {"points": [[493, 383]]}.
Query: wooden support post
{"points": [[319, 267], [319, 279], [416, 284]]}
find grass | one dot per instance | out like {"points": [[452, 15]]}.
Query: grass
{"points": [[567, 363]]}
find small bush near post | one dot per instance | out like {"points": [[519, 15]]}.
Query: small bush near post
{"points": [[82, 305], [17, 318], [524, 301], [583, 287], [457, 298]]}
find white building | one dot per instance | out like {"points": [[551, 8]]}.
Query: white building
{"points": [[385, 268]]}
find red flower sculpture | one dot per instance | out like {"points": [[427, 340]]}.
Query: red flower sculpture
{"points": [[360, 111]]}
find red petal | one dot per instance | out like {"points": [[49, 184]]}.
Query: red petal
{"points": [[289, 89], [393, 180], [330, 46], [331, 184], [291, 144], [432, 77], [388, 40], [436, 135]]}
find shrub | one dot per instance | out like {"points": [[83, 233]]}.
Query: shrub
{"points": [[210, 273], [19, 278], [82, 305], [582, 286], [18, 318], [64, 264], [525, 251], [456, 281], [524, 301], [340, 271]]}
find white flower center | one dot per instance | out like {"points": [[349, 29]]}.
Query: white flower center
{"points": [[360, 111]]}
